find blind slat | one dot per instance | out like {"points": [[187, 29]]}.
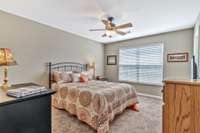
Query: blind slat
{"points": [[141, 64]]}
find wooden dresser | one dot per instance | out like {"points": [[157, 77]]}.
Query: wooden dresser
{"points": [[181, 108]]}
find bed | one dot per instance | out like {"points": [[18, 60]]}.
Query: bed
{"points": [[94, 102]]}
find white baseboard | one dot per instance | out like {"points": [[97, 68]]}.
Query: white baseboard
{"points": [[151, 96]]}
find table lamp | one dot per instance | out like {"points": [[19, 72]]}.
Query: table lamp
{"points": [[6, 59], [91, 67]]}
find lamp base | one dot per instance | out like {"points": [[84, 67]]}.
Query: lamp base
{"points": [[5, 87]]}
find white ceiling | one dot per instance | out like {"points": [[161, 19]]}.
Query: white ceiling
{"points": [[78, 16]]}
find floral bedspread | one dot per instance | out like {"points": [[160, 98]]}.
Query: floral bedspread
{"points": [[95, 102]]}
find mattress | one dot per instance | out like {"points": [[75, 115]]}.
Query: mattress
{"points": [[95, 102]]}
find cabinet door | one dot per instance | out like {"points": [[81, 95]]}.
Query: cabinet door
{"points": [[178, 109], [29, 116], [167, 97], [182, 109], [196, 108]]}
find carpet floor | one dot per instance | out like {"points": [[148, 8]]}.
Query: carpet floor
{"points": [[148, 120]]}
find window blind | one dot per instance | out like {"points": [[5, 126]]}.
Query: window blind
{"points": [[141, 64]]}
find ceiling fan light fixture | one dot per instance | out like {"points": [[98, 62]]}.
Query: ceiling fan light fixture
{"points": [[111, 29], [110, 32]]}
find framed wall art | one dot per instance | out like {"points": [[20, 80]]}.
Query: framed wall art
{"points": [[178, 57], [112, 60]]}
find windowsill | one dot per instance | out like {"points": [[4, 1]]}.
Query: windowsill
{"points": [[140, 83]]}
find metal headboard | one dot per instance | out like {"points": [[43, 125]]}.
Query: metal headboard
{"points": [[64, 67]]}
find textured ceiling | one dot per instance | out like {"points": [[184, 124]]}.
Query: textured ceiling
{"points": [[78, 16]]}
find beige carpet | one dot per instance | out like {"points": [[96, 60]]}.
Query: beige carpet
{"points": [[148, 120]]}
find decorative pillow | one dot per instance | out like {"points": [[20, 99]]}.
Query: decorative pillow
{"points": [[66, 77], [75, 77], [88, 73], [85, 73], [56, 76], [83, 78]]}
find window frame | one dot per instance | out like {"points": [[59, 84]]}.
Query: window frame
{"points": [[138, 46]]}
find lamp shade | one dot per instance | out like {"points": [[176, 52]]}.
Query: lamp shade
{"points": [[6, 57]]}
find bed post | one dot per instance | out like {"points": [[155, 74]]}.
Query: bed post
{"points": [[50, 76]]}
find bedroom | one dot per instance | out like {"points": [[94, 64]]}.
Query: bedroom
{"points": [[39, 32]]}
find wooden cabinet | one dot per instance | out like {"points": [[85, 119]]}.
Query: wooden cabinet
{"points": [[181, 108], [30, 114]]}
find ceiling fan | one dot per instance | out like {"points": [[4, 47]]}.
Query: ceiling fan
{"points": [[112, 29]]}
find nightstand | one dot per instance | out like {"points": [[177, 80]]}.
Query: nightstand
{"points": [[101, 78], [30, 114]]}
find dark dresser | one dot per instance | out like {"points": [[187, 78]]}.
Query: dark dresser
{"points": [[30, 114]]}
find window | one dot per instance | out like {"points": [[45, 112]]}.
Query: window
{"points": [[141, 64]]}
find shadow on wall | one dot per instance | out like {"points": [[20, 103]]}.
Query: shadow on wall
{"points": [[43, 77]]}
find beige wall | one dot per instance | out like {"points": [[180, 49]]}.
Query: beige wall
{"points": [[35, 44], [174, 42]]}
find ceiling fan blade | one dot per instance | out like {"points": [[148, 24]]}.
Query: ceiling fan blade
{"points": [[97, 30], [120, 32], [105, 22], [128, 25], [104, 35]]}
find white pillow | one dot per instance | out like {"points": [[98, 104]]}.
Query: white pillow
{"points": [[85, 73], [66, 77], [75, 77], [88, 73]]}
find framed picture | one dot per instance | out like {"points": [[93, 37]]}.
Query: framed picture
{"points": [[178, 57], [112, 60]]}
